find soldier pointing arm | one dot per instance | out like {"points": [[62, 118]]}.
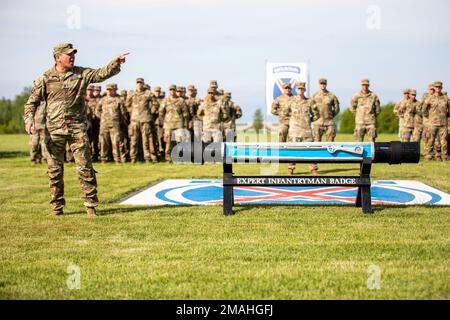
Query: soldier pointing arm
{"points": [[63, 88]]}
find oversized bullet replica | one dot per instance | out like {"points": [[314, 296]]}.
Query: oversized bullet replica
{"points": [[364, 153]]}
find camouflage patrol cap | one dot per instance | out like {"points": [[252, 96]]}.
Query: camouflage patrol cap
{"points": [[365, 81], [323, 81], [287, 85], [97, 88], [405, 91], [301, 85], [431, 86], [172, 87], [91, 87], [111, 86], [140, 80], [157, 89], [213, 83], [66, 48], [227, 94], [191, 87], [211, 90], [413, 92], [437, 84], [123, 92], [180, 89]]}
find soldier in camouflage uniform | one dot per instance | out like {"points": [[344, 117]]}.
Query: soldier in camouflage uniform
{"points": [[124, 139], [418, 119], [212, 114], [175, 115], [141, 123], [436, 150], [37, 139], [407, 111], [195, 124], [404, 101], [112, 113], [328, 106], [159, 123], [232, 112], [63, 88], [214, 86], [301, 112], [280, 108], [437, 109], [92, 105], [365, 105]]}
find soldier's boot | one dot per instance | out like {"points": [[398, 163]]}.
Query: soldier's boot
{"points": [[133, 160], [291, 171], [91, 213], [33, 162], [57, 212]]}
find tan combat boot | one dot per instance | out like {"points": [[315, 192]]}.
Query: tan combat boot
{"points": [[56, 213], [91, 213]]}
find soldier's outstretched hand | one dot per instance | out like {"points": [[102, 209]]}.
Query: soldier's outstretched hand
{"points": [[121, 57]]}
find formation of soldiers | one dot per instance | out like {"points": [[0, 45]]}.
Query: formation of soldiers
{"points": [[144, 124], [427, 119], [309, 119]]}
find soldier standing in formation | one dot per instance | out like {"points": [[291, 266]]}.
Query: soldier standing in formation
{"points": [[437, 109], [159, 123], [37, 139], [365, 105], [280, 108], [63, 87], [195, 124], [112, 113], [301, 112], [232, 112], [328, 106], [140, 104], [418, 120], [174, 114], [399, 105], [406, 111], [212, 113]]}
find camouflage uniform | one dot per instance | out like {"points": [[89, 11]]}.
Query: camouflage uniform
{"points": [[280, 108], [212, 113], [328, 106], [176, 118], [159, 123], [365, 106], [399, 105], [66, 122], [407, 111], [141, 123], [301, 112], [111, 111], [195, 124], [437, 109], [232, 112], [37, 139], [124, 139], [93, 122]]}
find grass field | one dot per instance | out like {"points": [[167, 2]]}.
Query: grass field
{"points": [[263, 252]]}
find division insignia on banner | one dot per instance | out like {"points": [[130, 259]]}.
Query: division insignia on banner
{"points": [[278, 74]]}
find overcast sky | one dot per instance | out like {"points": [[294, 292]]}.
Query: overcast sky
{"points": [[396, 44]]}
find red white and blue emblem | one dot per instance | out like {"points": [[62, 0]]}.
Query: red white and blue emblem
{"points": [[210, 192]]}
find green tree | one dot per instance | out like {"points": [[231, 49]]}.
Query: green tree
{"points": [[346, 122], [11, 112]]}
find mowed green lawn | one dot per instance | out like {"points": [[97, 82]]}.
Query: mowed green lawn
{"points": [[262, 252]]}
